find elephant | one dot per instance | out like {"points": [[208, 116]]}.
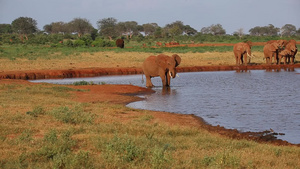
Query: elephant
{"points": [[120, 43], [284, 54], [241, 51], [160, 65], [292, 48], [271, 50]]}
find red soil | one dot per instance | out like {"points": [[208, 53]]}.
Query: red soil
{"points": [[92, 72]]}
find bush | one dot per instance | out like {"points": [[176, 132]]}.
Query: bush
{"points": [[79, 43]]}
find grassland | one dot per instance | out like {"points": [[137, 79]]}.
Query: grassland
{"points": [[57, 126], [21, 57]]}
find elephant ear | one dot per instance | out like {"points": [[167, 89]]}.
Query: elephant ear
{"points": [[177, 59], [275, 45]]}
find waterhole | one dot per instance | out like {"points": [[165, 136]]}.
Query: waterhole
{"points": [[256, 100]]}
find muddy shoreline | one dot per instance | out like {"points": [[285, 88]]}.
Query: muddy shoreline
{"points": [[93, 72], [132, 91]]}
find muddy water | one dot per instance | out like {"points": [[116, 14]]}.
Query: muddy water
{"points": [[253, 101]]}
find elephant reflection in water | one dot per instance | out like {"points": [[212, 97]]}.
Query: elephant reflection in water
{"points": [[163, 66]]}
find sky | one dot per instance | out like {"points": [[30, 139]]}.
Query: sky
{"points": [[231, 14]]}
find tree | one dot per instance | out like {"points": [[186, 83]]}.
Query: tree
{"points": [[149, 28], [239, 32], [298, 32], [214, 29], [269, 30], [24, 26], [205, 30], [81, 26], [5, 28], [217, 29], [175, 28], [107, 27], [187, 29], [128, 28], [288, 30], [57, 27]]}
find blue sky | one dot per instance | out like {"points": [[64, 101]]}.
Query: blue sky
{"points": [[231, 14]]}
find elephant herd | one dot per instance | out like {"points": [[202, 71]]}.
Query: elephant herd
{"points": [[276, 49], [165, 66]]}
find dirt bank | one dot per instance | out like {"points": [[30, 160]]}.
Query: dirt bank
{"points": [[92, 72]]}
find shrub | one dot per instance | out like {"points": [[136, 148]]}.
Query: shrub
{"points": [[79, 43], [38, 110]]}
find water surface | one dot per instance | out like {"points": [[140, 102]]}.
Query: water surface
{"points": [[254, 101]]}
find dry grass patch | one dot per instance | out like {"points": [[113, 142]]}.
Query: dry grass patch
{"points": [[111, 59]]}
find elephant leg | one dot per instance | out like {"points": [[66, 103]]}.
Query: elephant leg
{"points": [[148, 82], [293, 60], [163, 80], [242, 59], [279, 60], [168, 77], [245, 58], [284, 60]]}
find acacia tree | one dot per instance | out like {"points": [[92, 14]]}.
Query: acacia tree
{"points": [[174, 29], [24, 26], [214, 29], [269, 30], [288, 30], [239, 32], [81, 26], [189, 30], [107, 27], [57, 27], [149, 28]]}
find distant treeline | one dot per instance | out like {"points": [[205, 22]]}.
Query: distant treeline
{"points": [[80, 32]]}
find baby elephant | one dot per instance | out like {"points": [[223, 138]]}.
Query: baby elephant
{"points": [[161, 65]]}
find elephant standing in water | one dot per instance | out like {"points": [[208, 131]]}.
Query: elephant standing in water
{"points": [[161, 65], [241, 51]]}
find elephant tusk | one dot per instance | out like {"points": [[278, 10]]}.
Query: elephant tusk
{"points": [[170, 74], [250, 55]]}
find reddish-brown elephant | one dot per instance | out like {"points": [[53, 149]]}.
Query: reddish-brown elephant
{"points": [[120, 43], [292, 48], [283, 54], [161, 65], [271, 50], [242, 51]]}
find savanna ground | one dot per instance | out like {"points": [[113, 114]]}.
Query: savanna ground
{"points": [[68, 126]]}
